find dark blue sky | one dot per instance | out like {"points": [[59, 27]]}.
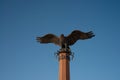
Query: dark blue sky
{"points": [[21, 21]]}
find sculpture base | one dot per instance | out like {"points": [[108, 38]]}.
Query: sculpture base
{"points": [[66, 51]]}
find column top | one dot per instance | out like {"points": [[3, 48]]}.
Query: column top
{"points": [[64, 50]]}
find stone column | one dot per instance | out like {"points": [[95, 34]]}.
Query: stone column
{"points": [[64, 67]]}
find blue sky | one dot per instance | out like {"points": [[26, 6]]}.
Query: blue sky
{"points": [[21, 21]]}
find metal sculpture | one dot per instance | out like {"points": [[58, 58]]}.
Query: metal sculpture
{"points": [[65, 41]]}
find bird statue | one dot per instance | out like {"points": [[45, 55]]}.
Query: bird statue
{"points": [[65, 41]]}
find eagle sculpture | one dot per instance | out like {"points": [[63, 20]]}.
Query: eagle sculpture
{"points": [[65, 41]]}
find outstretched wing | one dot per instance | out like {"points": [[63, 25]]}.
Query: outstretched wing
{"points": [[48, 38], [77, 35]]}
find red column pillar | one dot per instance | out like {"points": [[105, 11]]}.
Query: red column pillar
{"points": [[64, 67]]}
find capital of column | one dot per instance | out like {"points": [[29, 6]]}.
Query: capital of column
{"points": [[64, 54]]}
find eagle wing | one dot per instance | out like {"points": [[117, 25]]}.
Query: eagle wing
{"points": [[77, 35], [48, 38]]}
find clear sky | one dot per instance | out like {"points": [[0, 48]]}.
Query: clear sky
{"points": [[21, 21]]}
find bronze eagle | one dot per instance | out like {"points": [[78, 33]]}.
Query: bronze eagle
{"points": [[65, 41]]}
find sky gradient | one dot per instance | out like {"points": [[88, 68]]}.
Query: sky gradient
{"points": [[21, 21]]}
